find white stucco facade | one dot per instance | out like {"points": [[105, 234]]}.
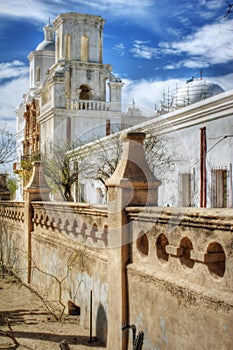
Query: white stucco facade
{"points": [[74, 91], [180, 131], [76, 95]]}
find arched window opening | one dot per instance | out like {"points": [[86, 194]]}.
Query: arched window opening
{"points": [[161, 244], [143, 245], [84, 48], [37, 74], [108, 127], [73, 309], [85, 93], [58, 49], [68, 129], [31, 72], [216, 259], [105, 235], [186, 246], [68, 45]]}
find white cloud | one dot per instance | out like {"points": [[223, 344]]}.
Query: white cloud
{"points": [[208, 9], [120, 48], [12, 89], [211, 44], [118, 7], [10, 96], [147, 93], [29, 9], [13, 69], [226, 81], [40, 10], [142, 50]]}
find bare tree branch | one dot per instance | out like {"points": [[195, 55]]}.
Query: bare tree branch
{"points": [[60, 170], [229, 9], [10, 334], [7, 145], [105, 160]]}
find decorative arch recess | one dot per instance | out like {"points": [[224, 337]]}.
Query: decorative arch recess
{"points": [[143, 244], [68, 46], [161, 244], [185, 258], [85, 92], [216, 259], [84, 48]]}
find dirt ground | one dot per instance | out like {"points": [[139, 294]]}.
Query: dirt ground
{"points": [[32, 326]]}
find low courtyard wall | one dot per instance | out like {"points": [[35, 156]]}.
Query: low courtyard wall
{"points": [[166, 273], [180, 278]]}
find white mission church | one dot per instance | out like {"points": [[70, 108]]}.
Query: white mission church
{"points": [[74, 95]]}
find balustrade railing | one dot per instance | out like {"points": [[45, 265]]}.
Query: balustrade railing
{"points": [[88, 105]]}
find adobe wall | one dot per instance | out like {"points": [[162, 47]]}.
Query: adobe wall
{"points": [[68, 258], [180, 280], [165, 271], [13, 241]]}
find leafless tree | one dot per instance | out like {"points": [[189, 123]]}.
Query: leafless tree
{"points": [[229, 9], [7, 145], [56, 307], [106, 158], [61, 172]]}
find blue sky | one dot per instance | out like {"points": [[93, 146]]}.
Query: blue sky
{"points": [[152, 45]]}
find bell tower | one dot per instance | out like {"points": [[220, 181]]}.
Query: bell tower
{"points": [[78, 51], [79, 37]]}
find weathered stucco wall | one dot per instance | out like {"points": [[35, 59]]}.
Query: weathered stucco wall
{"points": [[165, 271], [180, 279], [13, 241], [67, 258]]}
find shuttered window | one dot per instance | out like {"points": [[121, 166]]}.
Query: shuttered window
{"points": [[219, 188], [184, 190]]}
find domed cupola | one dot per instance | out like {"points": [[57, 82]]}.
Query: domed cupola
{"points": [[42, 58], [48, 43], [193, 91]]}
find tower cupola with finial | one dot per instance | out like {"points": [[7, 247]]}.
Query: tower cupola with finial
{"points": [[43, 57]]}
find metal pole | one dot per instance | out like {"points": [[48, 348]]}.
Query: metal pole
{"points": [[203, 180], [201, 170], [204, 168]]}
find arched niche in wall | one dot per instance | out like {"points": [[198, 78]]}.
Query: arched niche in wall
{"points": [[73, 309], [161, 244], [185, 258], [58, 48], [68, 46], [85, 92], [84, 48], [37, 74], [216, 259], [142, 244]]}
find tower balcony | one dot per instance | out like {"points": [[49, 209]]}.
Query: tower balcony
{"points": [[91, 105]]}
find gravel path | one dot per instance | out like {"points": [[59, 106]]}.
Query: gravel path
{"points": [[32, 326]]}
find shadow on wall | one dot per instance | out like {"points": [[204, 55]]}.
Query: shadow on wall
{"points": [[101, 324]]}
